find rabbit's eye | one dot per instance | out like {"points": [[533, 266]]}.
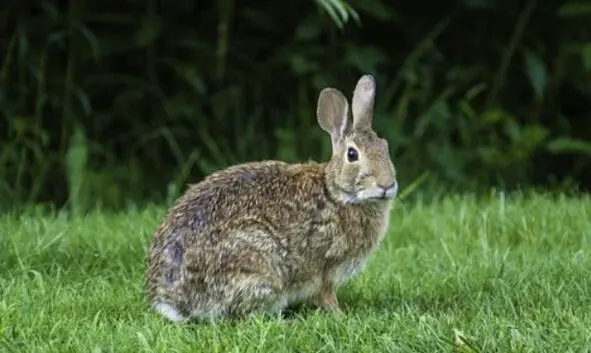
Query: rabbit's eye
{"points": [[352, 155]]}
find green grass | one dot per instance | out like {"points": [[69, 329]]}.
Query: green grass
{"points": [[513, 275]]}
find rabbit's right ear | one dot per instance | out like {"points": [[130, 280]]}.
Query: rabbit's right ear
{"points": [[333, 113]]}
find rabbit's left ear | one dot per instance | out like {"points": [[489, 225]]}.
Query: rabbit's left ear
{"points": [[363, 102], [333, 113]]}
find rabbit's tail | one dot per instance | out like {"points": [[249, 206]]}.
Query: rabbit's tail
{"points": [[169, 311]]}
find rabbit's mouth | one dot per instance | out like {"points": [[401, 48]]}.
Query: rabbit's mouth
{"points": [[374, 194], [381, 192]]}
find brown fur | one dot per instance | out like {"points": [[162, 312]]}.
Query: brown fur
{"points": [[258, 236]]}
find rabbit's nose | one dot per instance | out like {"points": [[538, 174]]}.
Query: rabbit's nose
{"points": [[388, 187], [391, 190]]}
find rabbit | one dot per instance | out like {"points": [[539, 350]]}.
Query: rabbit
{"points": [[257, 237]]}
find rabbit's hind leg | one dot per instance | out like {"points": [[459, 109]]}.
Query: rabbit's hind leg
{"points": [[254, 295], [253, 272]]}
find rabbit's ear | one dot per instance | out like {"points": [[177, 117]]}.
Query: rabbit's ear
{"points": [[363, 102], [333, 113]]}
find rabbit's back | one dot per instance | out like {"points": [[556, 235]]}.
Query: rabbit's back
{"points": [[272, 192]]}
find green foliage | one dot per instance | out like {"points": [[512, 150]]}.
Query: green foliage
{"points": [[495, 274], [102, 103]]}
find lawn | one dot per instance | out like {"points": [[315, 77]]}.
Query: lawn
{"points": [[508, 274]]}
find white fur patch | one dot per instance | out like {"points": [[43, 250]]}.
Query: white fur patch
{"points": [[347, 198], [385, 222], [169, 312]]}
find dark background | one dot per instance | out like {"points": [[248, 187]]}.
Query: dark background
{"points": [[116, 102]]}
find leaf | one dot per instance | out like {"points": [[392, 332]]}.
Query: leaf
{"points": [[92, 41], [494, 116], [84, 100], [474, 91], [302, 65], [513, 130], [574, 9], [339, 11], [533, 136], [378, 10], [569, 145], [478, 4], [191, 76], [537, 73], [49, 9], [148, 32], [586, 56], [307, 30], [466, 109], [56, 37]]}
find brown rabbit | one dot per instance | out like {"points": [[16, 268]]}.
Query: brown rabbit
{"points": [[256, 237]]}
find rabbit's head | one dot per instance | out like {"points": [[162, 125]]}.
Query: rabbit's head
{"points": [[360, 169]]}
